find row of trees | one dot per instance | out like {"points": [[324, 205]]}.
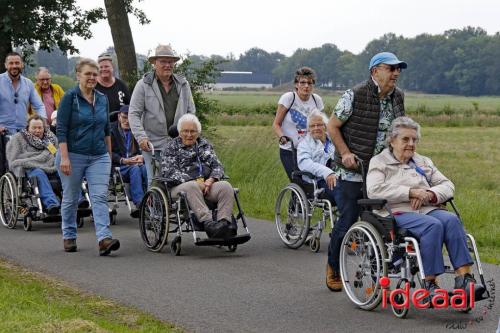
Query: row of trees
{"points": [[464, 62]]}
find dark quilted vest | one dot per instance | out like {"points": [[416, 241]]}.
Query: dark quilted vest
{"points": [[360, 130]]}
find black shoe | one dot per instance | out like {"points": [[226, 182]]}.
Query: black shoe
{"points": [[232, 229], [431, 287], [216, 229], [464, 282], [134, 213], [84, 204], [53, 210]]}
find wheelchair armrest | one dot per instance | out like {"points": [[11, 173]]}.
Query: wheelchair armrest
{"points": [[372, 203], [296, 174]]}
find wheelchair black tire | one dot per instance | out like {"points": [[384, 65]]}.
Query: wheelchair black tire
{"points": [[374, 238], [301, 215], [8, 200], [154, 198]]}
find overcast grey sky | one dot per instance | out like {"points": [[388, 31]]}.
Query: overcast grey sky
{"points": [[232, 26]]}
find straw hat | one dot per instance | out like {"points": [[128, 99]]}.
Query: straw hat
{"points": [[163, 51]]}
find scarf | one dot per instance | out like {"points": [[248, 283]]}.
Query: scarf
{"points": [[36, 142]]}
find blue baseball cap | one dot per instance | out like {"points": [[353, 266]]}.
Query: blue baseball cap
{"points": [[124, 109], [387, 58]]}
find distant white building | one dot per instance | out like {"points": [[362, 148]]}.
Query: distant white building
{"points": [[232, 79]]}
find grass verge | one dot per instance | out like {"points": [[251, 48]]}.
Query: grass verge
{"points": [[470, 157], [32, 302]]}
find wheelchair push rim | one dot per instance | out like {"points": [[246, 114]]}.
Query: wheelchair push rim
{"points": [[8, 201], [153, 220], [362, 264], [292, 216]]}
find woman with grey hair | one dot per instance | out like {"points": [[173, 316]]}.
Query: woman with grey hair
{"points": [[291, 115], [189, 164], [315, 152], [414, 189]]}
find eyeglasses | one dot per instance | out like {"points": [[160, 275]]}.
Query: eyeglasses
{"points": [[15, 98], [306, 83], [164, 62], [316, 125], [189, 132], [391, 68]]}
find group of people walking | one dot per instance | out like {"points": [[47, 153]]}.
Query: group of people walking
{"points": [[368, 126]]}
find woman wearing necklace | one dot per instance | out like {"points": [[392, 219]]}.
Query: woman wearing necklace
{"points": [[414, 188], [83, 132]]}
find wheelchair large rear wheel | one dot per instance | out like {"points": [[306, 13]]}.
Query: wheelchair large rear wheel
{"points": [[8, 201], [292, 216], [362, 265], [153, 220]]}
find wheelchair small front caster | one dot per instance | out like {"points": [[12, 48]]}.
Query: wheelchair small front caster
{"points": [[27, 223], [314, 244], [232, 247], [400, 300], [80, 222], [175, 246]]}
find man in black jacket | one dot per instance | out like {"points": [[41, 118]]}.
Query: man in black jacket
{"points": [[127, 155]]}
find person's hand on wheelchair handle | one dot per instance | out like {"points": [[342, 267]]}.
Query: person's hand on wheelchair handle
{"points": [[349, 160], [145, 145]]}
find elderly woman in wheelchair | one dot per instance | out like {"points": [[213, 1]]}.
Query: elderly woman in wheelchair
{"points": [[312, 187], [190, 192], [31, 152], [406, 194]]}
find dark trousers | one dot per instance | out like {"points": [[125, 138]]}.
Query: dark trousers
{"points": [[346, 196], [286, 157]]}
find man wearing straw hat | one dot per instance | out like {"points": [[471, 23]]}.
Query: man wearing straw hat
{"points": [[159, 99]]}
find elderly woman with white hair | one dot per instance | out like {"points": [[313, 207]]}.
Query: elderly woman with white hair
{"points": [[316, 151], [414, 189], [190, 165]]}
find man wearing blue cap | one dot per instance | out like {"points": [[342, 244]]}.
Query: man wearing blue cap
{"points": [[127, 155], [358, 127]]}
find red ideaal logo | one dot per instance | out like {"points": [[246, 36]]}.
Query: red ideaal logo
{"points": [[420, 296]]}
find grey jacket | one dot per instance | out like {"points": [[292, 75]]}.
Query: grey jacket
{"points": [[392, 180], [147, 114], [23, 157]]}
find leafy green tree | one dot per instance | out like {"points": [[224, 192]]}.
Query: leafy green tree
{"points": [[47, 23]]}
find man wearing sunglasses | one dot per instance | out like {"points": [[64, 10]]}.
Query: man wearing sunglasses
{"points": [[16, 94], [358, 128]]}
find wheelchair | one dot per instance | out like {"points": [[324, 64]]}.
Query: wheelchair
{"points": [[375, 248], [20, 200], [295, 208], [118, 192], [161, 215]]}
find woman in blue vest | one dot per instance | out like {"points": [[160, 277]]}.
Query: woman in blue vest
{"points": [[291, 115], [84, 152]]}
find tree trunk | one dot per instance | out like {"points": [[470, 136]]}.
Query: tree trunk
{"points": [[122, 40], [5, 48]]}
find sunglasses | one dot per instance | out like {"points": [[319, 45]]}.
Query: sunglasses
{"points": [[15, 98], [391, 68]]}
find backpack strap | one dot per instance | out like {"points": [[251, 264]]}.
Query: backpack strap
{"points": [[293, 100], [314, 99]]}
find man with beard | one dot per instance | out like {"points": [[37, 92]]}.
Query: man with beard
{"points": [[115, 89], [16, 94]]}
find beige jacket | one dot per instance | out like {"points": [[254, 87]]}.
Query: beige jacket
{"points": [[389, 179]]}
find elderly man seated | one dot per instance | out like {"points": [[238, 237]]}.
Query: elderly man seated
{"points": [[127, 155], [32, 151], [414, 189], [315, 152], [190, 165]]}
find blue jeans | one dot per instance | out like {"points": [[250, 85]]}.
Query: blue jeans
{"points": [[432, 230], [148, 159], [136, 175], [346, 196], [47, 195], [96, 170]]}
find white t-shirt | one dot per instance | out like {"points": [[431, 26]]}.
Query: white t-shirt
{"points": [[295, 123]]}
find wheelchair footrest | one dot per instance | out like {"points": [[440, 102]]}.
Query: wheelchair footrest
{"points": [[239, 239]]}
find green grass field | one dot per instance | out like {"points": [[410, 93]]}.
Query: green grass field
{"points": [[468, 156], [252, 108], [31, 302]]}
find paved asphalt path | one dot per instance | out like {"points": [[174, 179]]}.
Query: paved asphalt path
{"points": [[262, 287]]}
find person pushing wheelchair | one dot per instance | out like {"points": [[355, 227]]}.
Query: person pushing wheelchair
{"points": [[189, 164]]}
